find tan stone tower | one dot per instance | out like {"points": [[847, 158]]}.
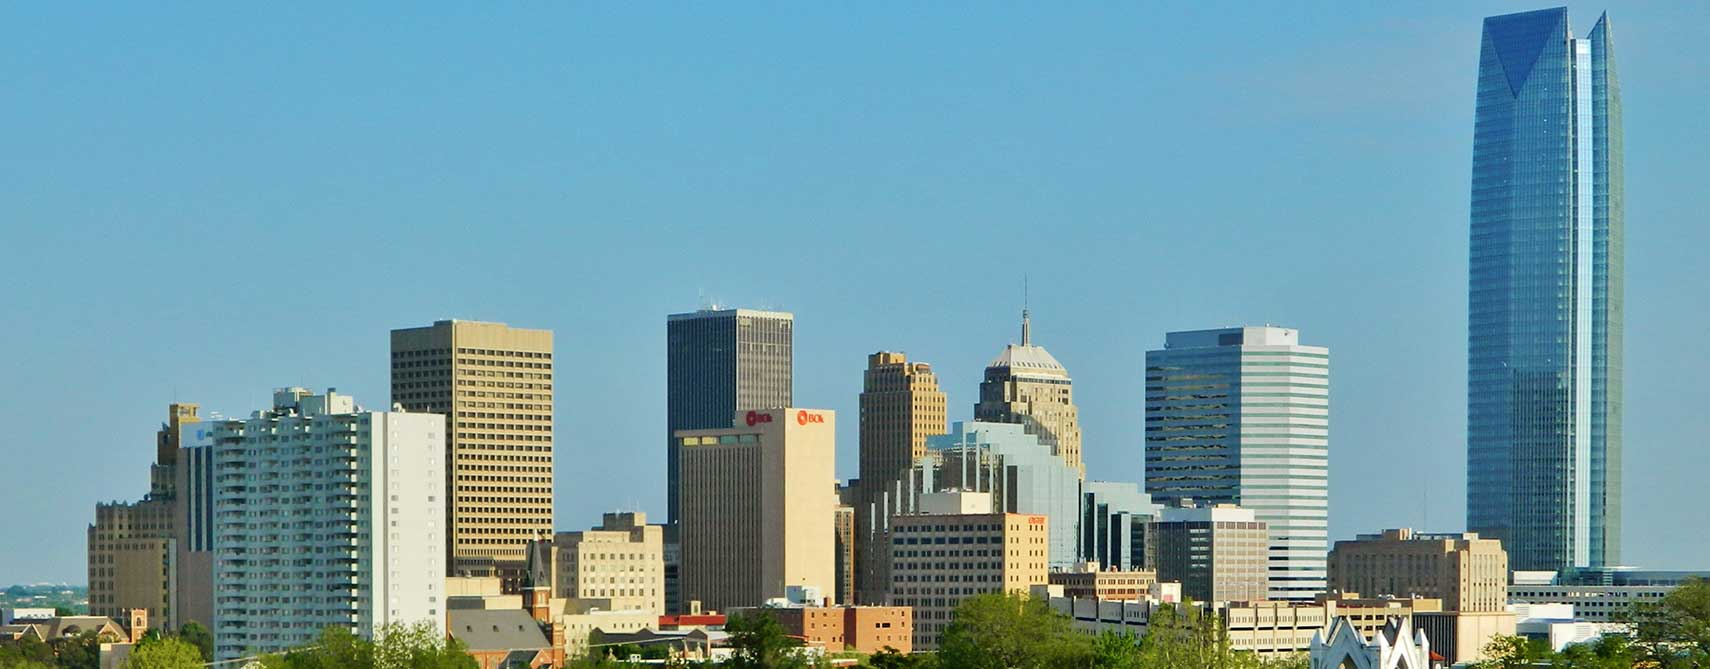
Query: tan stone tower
{"points": [[901, 406], [1026, 385], [493, 383]]}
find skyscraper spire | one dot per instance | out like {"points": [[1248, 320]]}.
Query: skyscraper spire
{"points": [[1026, 327]]}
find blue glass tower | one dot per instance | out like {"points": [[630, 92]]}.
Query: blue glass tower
{"points": [[1545, 294]]}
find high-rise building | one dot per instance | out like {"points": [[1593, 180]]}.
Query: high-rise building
{"points": [[759, 502], [1242, 416], [1545, 294], [1113, 524], [953, 548], [1026, 385], [493, 384], [325, 514], [140, 554], [843, 526], [1466, 572], [720, 362], [1216, 552], [622, 562], [901, 406]]}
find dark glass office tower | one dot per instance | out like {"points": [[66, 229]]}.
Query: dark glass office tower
{"points": [[1545, 294], [720, 362]]}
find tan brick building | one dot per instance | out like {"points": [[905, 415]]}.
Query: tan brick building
{"points": [[940, 560], [901, 406], [863, 629], [1109, 585], [136, 550], [493, 383], [758, 507], [1469, 573], [622, 560]]}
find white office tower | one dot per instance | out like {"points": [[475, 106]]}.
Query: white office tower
{"points": [[1242, 416], [325, 514]]}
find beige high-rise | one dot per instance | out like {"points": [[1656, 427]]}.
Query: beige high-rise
{"points": [[901, 406], [758, 507], [946, 555], [134, 549], [1469, 573], [493, 383], [622, 560], [1026, 385]]}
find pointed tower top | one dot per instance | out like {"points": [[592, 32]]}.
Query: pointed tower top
{"points": [[1026, 326]]}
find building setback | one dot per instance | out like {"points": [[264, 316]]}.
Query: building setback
{"points": [[1026, 385], [325, 515], [901, 406], [493, 385], [1242, 416], [1545, 294], [759, 502]]}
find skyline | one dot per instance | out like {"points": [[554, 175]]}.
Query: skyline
{"points": [[1075, 195]]}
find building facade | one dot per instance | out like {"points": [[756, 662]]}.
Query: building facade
{"points": [[1467, 572], [901, 406], [1026, 385], [1089, 581], [1113, 524], [940, 560], [758, 504], [622, 560], [325, 514], [863, 629], [492, 383], [1545, 294], [1242, 416], [1218, 553]]}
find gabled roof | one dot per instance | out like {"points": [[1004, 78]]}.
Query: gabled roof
{"points": [[497, 629]]}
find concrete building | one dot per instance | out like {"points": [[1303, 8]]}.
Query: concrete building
{"points": [[758, 503], [147, 555], [1025, 385], [1558, 626], [1089, 582], [945, 554], [1459, 636], [1242, 416], [492, 384], [1216, 552], [621, 561], [1265, 628], [718, 362], [1598, 601], [863, 629], [1467, 572], [901, 407], [1113, 524], [320, 496]]}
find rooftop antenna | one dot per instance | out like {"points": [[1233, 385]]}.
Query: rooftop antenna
{"points": [[1026, 326]]}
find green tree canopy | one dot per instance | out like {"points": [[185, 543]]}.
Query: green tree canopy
{"points": [[1010, 631], [164, 653], [757, 641]]}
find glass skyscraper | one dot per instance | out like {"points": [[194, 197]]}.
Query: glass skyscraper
{"points": [[1545, 294]]}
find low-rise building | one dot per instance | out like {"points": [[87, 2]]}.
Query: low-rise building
{"points": [[863, 629], [506, 638], [1596, 600], [1088, 580], [622, 561], [1556, 625], [1467, 572]]}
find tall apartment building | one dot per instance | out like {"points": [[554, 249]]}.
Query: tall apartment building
{"points": [[758, 506], [141, 555], [901, 406], [1467, 572], [325, 515], [493, 384], [1545, 294], [1242, 416], [1216, 552], [621, 560], [954, 549], [1026, 385]]}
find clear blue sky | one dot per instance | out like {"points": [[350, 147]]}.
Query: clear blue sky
{"points": [[200, 202]]}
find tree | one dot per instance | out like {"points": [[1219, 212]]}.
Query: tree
{"points": [[1513, 652], [196, 635], [1676, 631], [1182, 636], [890, 658], [419, 646], [82, 651], [1010, 631], [164, 653], [26, 653], [758, 642], [1114, 650]]}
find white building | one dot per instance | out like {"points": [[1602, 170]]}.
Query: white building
{"points": [[1396, 646], [1591, 603], [1242, 416], [325, 514]]}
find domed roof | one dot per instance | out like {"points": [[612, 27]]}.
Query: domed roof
{"points": [[1029, 359]]}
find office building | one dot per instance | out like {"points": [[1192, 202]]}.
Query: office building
{"points": [[901, 406], [1467, 572], [325, 514], [1216, 552], [954, 549], [622, 560], [1113, 524], [1088, 580], [843, 529], [1545, 294], [1242, 416], [493, 385], [146, 555], [1026, 385], [1595, 600], [721, 362], [758, 506]]}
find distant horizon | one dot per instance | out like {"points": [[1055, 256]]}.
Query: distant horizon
{"points": [[208, 204]]}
